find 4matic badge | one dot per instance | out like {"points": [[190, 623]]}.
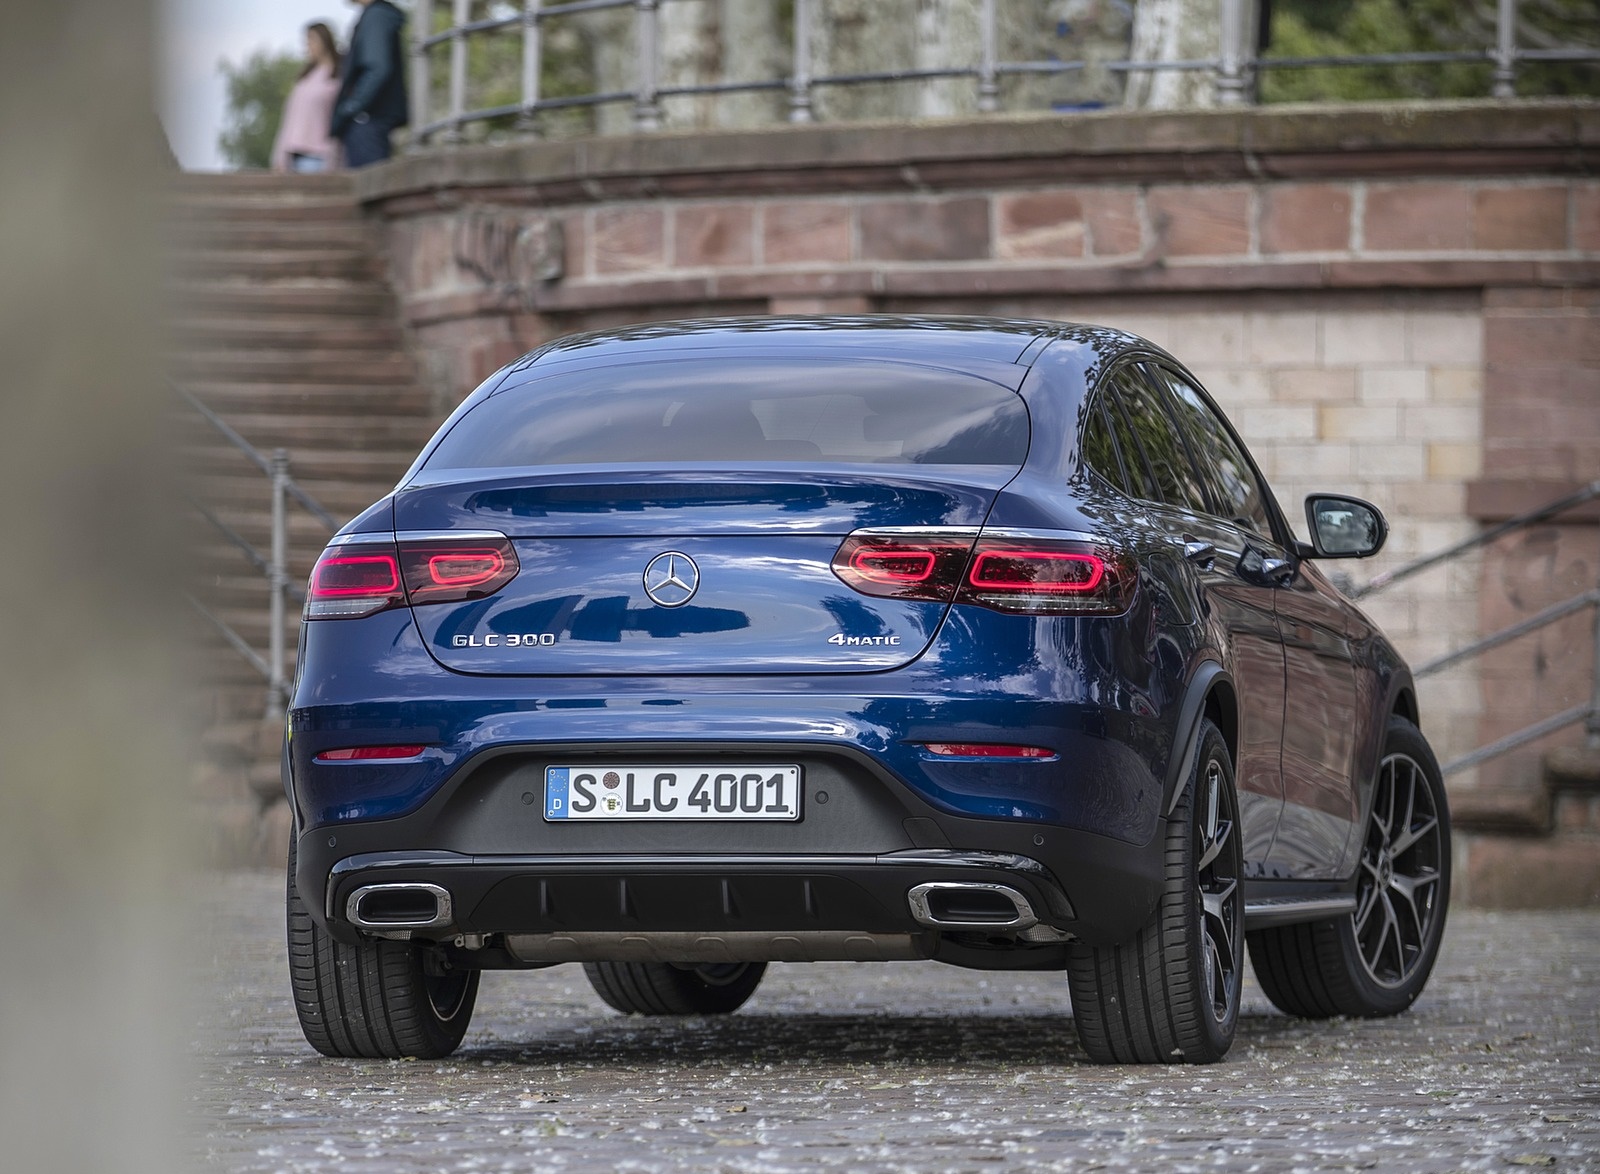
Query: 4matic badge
{"points": [[869, 641]]}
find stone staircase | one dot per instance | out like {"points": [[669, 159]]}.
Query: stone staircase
{"points": [[1533, 848], [285, 326]]}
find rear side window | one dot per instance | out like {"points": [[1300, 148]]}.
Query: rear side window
{"points": [[1100, 449], [1169, 473], [1221, 461], [742, 410]]}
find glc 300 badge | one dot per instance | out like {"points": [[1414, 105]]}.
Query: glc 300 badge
{"points": [[671, 579]]}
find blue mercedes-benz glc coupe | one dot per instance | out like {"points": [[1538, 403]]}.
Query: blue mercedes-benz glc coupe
{"points": [[688, 647]]}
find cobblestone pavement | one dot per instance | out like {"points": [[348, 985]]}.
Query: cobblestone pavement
{"points": [[910, 1067]]}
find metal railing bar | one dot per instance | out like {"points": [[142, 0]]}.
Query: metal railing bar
{"points": [[723, 88], [894, 75], [1155, 66], [260, 460], [1485, 56], [313, 506], [257, 559], [1521, 738], [232, 637], [1574, 54], [545, 13], [1534, 622], [1544, 512], [1039, 66]]}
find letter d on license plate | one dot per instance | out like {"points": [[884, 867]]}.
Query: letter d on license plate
{"points": [[707, 792]]}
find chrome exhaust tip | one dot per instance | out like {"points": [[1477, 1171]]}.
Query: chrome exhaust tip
{"points": [[407, 905], [970, 905]]}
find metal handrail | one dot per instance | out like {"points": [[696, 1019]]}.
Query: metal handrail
{"points": [[274, 567], [1588, 713], [1232, 67]]}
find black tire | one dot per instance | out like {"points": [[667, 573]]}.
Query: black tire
{"points": [[1376, 960], [659, 988], [374, 1000], [1171, 994]]}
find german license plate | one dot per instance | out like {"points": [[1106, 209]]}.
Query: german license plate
{"points": [[716, 792]]}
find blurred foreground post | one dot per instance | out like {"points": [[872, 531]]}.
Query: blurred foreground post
{"points": [[90, 1075]]}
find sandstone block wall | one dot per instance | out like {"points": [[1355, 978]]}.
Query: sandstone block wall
{"points": [[1396, 301]]}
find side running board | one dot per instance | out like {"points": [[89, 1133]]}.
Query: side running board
{"points": [[1273, 911]]}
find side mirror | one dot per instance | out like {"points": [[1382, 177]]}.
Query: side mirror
{"points": [[1344, 527]]}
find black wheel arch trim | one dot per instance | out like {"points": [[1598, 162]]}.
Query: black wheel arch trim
{"points": [[1207, 678]]}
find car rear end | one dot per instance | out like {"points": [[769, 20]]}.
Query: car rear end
{"points": [[722, 657]]}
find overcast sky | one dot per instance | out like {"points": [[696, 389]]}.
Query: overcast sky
{"points": [[199, 33]]}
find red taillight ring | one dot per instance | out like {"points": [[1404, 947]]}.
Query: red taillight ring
{"points": [[321, 590], [491, 562], [869, 563], [1096, 564]]}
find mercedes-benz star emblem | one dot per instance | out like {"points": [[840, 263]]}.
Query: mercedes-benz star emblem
{"points": [[671, 579]]}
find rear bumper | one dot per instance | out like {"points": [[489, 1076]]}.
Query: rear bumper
{"points": [[878, 809]]}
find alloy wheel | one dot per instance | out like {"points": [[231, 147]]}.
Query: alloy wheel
{"points": [[1217, 890], [1397, 893]]}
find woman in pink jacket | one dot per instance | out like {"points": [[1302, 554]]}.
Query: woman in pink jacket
{"points": [[303, 142]]}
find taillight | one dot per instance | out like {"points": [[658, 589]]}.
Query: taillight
{"points": [[1048, 578], [355, 580], [1006, 572], [922, 565], [360, 579], [454, 570]]}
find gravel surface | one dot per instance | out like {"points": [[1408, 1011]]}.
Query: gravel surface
{"points": [[909, 1067]]}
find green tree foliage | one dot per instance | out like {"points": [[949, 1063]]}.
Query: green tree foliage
{"points": [[257, 87], [1328, 28]]}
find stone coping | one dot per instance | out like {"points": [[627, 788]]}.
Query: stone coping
{"points": [[1287, 141]]}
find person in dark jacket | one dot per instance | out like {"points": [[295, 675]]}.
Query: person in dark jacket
{"points": [[372, 97]]}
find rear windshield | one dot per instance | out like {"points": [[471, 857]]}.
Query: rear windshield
{"points": [[742, 410]]}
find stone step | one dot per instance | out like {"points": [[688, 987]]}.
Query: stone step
{"points": [[360, 336], [314, 208], [367, 298], [290, 365], [327, 430], [232, 236], [311, 466], [269, 264], [233, 399], [254, 185]]}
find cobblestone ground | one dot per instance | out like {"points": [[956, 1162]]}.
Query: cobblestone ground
{"points": [[910, 1067]]}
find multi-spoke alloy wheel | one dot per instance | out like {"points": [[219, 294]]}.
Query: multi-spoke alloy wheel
{"points": [[1171, 994], [1376, 960], [1217, 891], [1397, 893]]}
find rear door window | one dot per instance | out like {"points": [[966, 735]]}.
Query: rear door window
{"points": [[1150, 428], [1223, 466]]}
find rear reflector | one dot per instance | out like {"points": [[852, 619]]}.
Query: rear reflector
{"points": [[986, 750], [369, 753], [358, 579], [1031, 576]]}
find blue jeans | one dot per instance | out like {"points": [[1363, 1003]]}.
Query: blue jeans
{"points": [[365, 143]]}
